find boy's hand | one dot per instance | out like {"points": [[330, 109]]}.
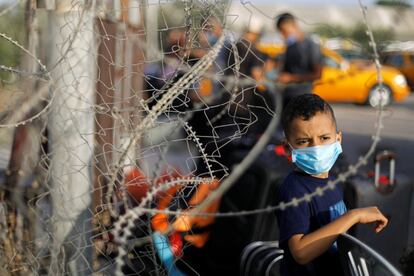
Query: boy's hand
{"points": [[285, 78], [369, 215], [306, 247]]}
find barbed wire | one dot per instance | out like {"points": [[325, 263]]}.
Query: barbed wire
{"points": [[240, 169], [342, 177], [136, 114]]}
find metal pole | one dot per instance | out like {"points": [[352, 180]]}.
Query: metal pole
{"points": [[151, 28], [71, 132]]}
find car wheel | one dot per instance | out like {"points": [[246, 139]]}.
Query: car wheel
{"points": [[375, 95]]}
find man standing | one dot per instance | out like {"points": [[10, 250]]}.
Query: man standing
{"points": [[302, 63]]}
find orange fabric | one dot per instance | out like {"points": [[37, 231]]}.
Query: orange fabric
{"points": [[184, 222], [136, 183], [198, 240], [166, 197], [206, 87], [159, 222], [203, 190]]}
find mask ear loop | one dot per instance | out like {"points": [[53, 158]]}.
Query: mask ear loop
{"points": [[338, 135], [291, 149], [287, 143], [288, 148]]}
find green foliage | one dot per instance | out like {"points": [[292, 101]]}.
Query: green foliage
{"points": [[394, 3], [329, 31], [12, 25], [357, 33]]}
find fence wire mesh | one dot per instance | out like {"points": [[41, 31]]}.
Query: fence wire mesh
{"points": [[119, 115]]}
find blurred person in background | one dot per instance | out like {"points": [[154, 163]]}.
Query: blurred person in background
{"points": [[302, 61], [161, 75], [249, 57], [249, 104], [230, 119]]}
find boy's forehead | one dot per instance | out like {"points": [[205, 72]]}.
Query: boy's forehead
{"points": [[321, 123]]}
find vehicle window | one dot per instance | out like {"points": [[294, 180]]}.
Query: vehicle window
{"points": [[394, 60], [329, 62], [352, 55]]}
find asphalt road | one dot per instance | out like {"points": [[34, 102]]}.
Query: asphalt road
{"points": [[358, 125]]}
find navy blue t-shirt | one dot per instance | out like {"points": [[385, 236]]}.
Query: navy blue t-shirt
{"points": [[306, 218], [301, 58]]}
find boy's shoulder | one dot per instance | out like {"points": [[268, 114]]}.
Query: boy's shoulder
{"points": [[292, 185], [297, 183]]}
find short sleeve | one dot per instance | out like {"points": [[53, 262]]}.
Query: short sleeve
{"points": [[315, 54], [295, 219]]}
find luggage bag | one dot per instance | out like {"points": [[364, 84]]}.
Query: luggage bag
{"points": [[393, 195]]}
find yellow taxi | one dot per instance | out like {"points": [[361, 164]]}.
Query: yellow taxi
{"points": [[401, 56], [348, 81]]}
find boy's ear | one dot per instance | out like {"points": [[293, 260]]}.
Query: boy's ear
{"points": [[340, 137], [286, 146]]}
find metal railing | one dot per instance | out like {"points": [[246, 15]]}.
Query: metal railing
{"points": [[358, 259]]}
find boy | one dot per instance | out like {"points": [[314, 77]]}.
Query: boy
{"points": [[309, 230]]}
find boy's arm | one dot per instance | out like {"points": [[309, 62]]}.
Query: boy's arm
{"points": [[309, 77], [305, 248]]}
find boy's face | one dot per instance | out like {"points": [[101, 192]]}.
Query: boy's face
{"points": [[318, 130], [287, 28]]}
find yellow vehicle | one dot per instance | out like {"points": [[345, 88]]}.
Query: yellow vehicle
{"points": [[403, 60], [347, 81]]}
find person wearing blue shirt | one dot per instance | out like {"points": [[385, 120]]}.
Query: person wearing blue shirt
{"points": [[302, 61], [308, 230]]}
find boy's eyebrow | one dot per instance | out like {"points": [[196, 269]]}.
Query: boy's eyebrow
{"points": [[308, 138], [302, 138]]}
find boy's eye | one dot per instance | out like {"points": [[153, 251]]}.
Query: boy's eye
{"points": [[325, 138], [302, 142]]}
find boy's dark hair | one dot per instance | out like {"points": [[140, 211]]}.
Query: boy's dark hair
{"points": [[283, 18], [304, 106]]}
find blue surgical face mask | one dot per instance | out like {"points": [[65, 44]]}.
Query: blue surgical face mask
{"points": [[291, 39], [318, 159], [272, 74], [211, 38]]}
